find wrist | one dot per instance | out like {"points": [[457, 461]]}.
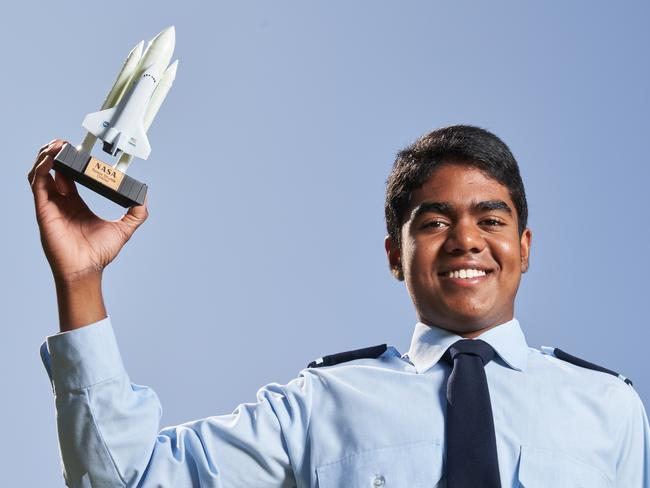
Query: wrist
{"points": [[78, 279], [80, 301]]}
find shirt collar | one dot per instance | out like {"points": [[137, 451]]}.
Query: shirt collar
{"points": [[430, 343]]}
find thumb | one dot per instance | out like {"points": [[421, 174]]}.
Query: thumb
{"points": [[134, 218]]}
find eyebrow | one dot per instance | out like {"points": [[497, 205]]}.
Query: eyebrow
{"points": [[447, 208]]}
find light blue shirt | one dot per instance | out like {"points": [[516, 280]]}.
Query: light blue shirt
{"points": [[364, 423]]}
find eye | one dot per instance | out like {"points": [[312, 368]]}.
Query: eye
{"points": [[492, 222], [434, 224]]}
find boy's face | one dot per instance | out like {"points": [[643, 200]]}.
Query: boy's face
{"points": [[461, 219]]}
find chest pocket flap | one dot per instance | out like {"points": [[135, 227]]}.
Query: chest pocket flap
{"points": [[541, 468], [409, 466]]}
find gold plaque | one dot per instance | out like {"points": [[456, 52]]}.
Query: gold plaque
{"points": [[104, 173]]}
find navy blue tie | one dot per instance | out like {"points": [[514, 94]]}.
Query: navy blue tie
{"points": [[469, 429]]}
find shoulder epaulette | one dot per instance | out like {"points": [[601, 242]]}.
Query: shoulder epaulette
{"points": [[565, 356], [343, 357]]}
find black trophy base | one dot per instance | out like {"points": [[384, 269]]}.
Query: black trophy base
{"points": [[100, 177]]}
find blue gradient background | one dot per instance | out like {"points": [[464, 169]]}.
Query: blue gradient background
{"points": [[264, 246]]}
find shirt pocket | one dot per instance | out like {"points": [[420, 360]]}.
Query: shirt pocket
{"points": [[541, 468], [406, 466]]}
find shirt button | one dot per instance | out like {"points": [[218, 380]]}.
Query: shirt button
{"points": [[379, 480]]}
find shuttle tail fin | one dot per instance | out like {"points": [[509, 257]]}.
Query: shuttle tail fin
{"points": [[137, 144]]}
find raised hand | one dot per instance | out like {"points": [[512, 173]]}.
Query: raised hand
{"points": [[77, 242]]}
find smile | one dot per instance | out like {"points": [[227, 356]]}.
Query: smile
{"points": [[465, 273]]}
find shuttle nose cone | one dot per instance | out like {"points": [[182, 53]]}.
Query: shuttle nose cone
{"points": [[166, 37], [137, 51], [160, 50], [171, 71]]}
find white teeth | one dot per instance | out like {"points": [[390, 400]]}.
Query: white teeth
{"points": [[466, 273]]}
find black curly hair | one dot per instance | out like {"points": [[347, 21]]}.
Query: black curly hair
{"points": [[458, 144]]}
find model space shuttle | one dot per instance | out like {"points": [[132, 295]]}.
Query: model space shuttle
{"points": [[122, 123], [133, 101]]}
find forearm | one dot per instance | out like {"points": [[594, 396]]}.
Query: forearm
{"points": [[109, 428], [80, 302]]}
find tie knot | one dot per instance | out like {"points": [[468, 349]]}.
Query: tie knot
{"points": [[475, 347]]}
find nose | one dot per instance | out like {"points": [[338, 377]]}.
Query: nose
{"points": [[464, 237]]}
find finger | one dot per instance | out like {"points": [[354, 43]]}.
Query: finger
{"points": [[65, 185], [44, 147], [37, 164], [43, 184], [30, 175], [49, 149], [54, 145]]}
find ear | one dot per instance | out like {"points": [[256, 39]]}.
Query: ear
{"points": [[524, 246], [394, 258]]}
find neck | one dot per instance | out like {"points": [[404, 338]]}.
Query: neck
{"points": [[475, 333], [466, 331]]}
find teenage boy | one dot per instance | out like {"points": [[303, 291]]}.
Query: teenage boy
{"points": [[469, 405]]}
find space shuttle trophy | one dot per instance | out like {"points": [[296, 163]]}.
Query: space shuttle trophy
{"points": [[122, 123]]}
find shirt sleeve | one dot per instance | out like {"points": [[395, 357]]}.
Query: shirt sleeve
{"points": [[109, 428], [633, 464]]}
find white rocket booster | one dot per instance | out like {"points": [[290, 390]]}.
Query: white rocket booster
{"points": [[134, 100]]}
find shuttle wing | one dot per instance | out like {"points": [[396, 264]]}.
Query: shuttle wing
{"points": [[98, 123]]}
